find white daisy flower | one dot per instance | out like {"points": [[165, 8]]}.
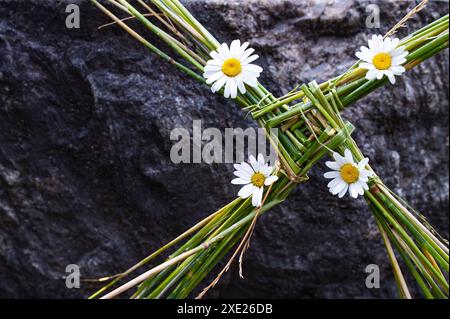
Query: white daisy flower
{"points": [[254, 176], [231, 66], [347, 175], [383, 57]]}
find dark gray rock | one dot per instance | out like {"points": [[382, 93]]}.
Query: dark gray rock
{"points": [[85, 173]]}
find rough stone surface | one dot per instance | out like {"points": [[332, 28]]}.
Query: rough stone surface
{"points": [[85, 173]]}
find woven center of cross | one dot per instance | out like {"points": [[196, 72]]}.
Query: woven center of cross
{"points": [[314, 129]]}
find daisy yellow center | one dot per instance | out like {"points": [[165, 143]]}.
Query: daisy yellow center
{"points": [[258, 179], [382, 61], [232, 67], [349, 173]]}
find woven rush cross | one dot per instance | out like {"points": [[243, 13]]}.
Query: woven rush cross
{"points": [[309, 128]]}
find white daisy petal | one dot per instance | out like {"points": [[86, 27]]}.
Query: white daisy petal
{"points": [[390, 44], [213, 68], [374, 44], [400, 51], [253, 68], [243, 174], [334, 182], [252, 74], [390, 76], [249, 79], [333, 165], [379, 75], [260, 196], [241, 50], [239, 181], [234, 47], [209, 74], [227, 91], [338, 187], [365, 50], [270, 180], [353, 190], [363, 179], [367, 66], [365, 186], [210, 78], [360, 55], [339, 159], [221, 55], [348, 156], [332, 174], [366, 57], [237, 167], [261, 160], [246, 191], [219, 84], [225, 51], [266, 170], [250, 59], [214, 63], [360, 188], [215, 55], [246, 167], [257, 196], [402, 55], [247, 53], [343, 191], [254, 196], [233, 89], [398, 61], [254, 163], [398, 69], [364, 175], [372, 74], [371, 45], [363, 163], [240, 84]]}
